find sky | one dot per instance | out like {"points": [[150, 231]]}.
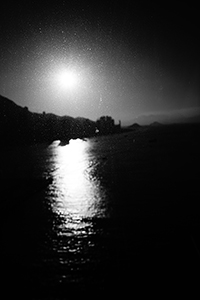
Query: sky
{"points": [[126, 58]]}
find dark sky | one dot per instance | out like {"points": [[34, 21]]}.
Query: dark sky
{"points": [[129, 57]]}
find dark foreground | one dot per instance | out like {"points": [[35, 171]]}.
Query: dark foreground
{"points": [[149, 244]]}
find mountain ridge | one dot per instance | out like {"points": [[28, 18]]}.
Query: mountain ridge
{"points": [[168, 118], [19, 125]]}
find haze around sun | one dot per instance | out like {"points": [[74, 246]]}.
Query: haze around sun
{"points": [[67, 79], [87, 59]]}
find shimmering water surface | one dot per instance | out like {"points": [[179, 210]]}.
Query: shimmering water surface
{"points": [[78, 200], [116, 208], [76, 193]]}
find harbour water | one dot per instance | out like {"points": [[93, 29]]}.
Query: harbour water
{"points": [[101, 214], [77, 200]]}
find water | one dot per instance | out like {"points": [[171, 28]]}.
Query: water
{"points": [[78, 201], [88, 219], [111, 214], [76, 193], [54, 235]]}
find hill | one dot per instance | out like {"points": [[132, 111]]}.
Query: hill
{"points": [[183, 117], [19, 125], [134, 126]]}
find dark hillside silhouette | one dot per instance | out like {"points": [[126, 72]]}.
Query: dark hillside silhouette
{"points": [[19, 125], [134, 126]]}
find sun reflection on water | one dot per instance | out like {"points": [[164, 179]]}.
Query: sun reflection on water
{"points": [[76, 193]]}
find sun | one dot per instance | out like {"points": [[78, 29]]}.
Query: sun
{"points": [[67, 79]]}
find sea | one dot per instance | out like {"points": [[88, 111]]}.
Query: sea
{"points": [[109, 214]]}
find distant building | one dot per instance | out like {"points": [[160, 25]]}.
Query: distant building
{"points": [[106, 125]]}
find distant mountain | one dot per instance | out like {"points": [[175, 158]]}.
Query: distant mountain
{"points": [[155, 124], [19, 125], [134, 126], [194, 119], [168, 118]]}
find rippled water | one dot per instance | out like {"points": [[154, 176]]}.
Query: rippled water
{"points": [[113, 212], [76, 193], [78, 200]]}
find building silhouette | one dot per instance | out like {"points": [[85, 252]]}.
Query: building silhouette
{"points": [[106, 125]]}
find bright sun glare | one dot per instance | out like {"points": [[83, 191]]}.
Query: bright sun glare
{"points": [[67, 79]]}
